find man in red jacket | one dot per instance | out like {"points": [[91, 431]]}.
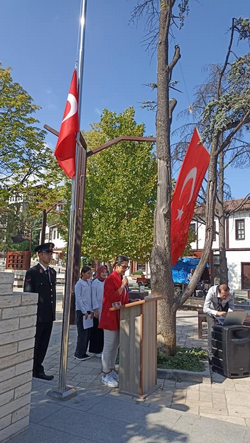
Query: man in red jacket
{"points": [[115, 293]]}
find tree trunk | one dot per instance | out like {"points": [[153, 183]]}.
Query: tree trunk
{"points": [[161, 263], [221, 217], [44, 222], [166, 342], [161, 268]]}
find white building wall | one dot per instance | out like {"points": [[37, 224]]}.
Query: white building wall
{"points": [[52, 235], [234, 260], [200, 232]]}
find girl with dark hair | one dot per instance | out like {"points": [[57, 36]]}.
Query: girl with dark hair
{"points": [[97, 288], [84, 308], [114, 292]]}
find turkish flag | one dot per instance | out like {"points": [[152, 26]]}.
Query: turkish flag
{"points": [[189, 181], [66, 144]]}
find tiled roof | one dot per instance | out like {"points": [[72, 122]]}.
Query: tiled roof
{"points": [[239, 204]]}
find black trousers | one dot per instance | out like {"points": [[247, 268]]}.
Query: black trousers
{"points": [[83, 336], [43, 333], [96, 338]]}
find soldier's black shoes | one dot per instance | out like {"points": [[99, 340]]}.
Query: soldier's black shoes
{"points": [[43, 376]]}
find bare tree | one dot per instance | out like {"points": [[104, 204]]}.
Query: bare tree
{"points": [[161, 268], [228, 88]]}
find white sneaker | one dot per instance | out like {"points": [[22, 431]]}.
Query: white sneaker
{"points": [[98, 355], [108, 380], [115, 375], [85, 357]]}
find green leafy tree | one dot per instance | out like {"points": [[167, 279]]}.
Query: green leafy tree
{"points": [[19, 229], [23, 152], [27, 165], [120, 191]]}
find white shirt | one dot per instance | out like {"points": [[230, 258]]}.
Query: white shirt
{"points": [[97, 288], [212, 298], [83, 296], [45, 269]]}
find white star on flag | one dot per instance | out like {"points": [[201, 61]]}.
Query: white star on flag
{"points": [[180, 212]]}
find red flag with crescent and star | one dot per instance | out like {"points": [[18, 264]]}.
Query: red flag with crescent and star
{"points": [[66, 144], [186, 190]]}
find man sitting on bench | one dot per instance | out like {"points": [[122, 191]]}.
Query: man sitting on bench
{"points": [[219, 300]]}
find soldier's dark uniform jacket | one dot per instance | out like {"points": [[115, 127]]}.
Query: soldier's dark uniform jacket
{"points": [[37, 281]]}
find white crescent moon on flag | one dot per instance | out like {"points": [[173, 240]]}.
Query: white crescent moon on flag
{"points": [[73, 107], [191, 175]]}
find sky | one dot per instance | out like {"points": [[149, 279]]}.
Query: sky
{"points": [[38, 40]]}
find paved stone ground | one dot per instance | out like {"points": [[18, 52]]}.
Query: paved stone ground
{"points": [[176, 412], [223, 399], [97, 415]]}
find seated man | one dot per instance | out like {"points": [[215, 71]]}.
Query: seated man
{"points": [[219, 300], [190, 275]]}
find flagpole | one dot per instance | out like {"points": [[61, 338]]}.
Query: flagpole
{"points": [[64, 392]]}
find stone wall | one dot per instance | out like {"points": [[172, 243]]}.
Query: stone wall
{"points": [[17, 331]]}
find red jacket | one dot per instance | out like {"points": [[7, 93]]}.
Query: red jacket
{"points": [[111, 319]]}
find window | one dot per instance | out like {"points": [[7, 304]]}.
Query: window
{"points": [[141, 267], [240, 229], [214, 232], [54, 234], [216, 259], [192, 227]]}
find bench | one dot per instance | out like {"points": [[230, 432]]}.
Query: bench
{"points": [[202, 319]]}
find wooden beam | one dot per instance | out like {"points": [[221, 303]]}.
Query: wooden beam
{"points": [[119, 139], [53, 131]]}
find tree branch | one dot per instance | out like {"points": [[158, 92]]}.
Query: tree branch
{"points": [[226, 60], [244, 200], [230, 136], [176, 57], [234, 124], [172, 105]]}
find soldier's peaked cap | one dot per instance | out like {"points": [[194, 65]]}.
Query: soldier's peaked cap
{"points": [[45, 247]]}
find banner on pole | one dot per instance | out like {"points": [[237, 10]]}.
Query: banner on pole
{"points": [[66, 144], [189, 181]]}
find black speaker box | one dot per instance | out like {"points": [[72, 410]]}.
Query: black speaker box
{"points": [[231, 351]]}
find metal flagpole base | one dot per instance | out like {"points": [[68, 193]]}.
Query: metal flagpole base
{"points": [[69, 393]]}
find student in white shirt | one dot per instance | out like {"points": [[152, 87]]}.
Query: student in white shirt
{"points": [[97, 288], [84, 308]]}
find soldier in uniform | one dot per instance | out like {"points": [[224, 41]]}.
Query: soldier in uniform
{"points": [[42, 280]]}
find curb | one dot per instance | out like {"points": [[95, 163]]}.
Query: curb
{"points": [[180, 376]]}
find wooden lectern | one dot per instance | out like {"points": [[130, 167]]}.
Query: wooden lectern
{"points": [[138, 347]]}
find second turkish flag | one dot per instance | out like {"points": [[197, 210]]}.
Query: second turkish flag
{"points": [[186, 190]]}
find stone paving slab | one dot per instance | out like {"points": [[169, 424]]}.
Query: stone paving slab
{"points": [[221, 400], [100, 416], [176, 411]]}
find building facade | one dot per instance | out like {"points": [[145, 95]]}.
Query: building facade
{"points": [[237, 228], [237, 242]]}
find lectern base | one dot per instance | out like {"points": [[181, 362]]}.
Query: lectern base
{"points": [[142, 396]]}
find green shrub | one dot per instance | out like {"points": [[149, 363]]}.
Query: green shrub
{"points": [[188, 359]]}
